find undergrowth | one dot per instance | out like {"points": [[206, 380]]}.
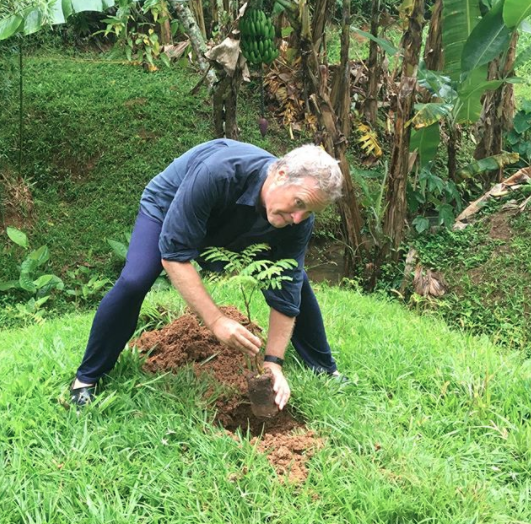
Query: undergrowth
{"points": [[487, 267]]}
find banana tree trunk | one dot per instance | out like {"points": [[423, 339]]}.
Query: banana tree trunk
{"points": [[319, 18], [371, 100], [331, 127], [433, 55], [395, 215], [498, 110], [453, 141], [186, 17], [341, 82], [197, 10]]}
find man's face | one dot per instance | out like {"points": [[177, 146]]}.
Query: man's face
{"points": [[288, 204]]}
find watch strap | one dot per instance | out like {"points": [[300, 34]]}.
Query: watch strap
{"points": [[274, 360]]}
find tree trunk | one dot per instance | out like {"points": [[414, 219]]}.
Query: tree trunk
{"points": [[197, 10], [371, 100], [225, 103], [318, 23], [341, 81], [433, 55], [196, 38], [331, 135], [395, 214], [498, 110], [453, 141]]}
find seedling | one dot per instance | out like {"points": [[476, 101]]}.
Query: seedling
{"points": [[251, 274]]}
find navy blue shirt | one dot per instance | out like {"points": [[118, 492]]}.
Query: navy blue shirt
{"points": [[210, 196]]}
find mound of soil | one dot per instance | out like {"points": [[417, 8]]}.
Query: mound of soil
{"points": [[286, 441]]}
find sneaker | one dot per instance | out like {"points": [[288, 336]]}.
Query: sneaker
{"points": [[339, 378], [82, 396]]}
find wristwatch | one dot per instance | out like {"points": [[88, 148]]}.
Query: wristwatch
{"points": [[275, 360]]}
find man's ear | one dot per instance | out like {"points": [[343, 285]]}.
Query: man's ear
{"points": [[281, 176]]}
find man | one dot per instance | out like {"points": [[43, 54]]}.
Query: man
{"points": [[222, 193]]}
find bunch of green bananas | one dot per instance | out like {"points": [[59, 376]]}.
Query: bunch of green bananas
{"points": [[257, 37]]}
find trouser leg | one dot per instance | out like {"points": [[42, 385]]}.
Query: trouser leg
{"points": [[309, 335], [117, 314]]}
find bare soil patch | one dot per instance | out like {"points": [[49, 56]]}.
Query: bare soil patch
{"points": [[285, 440]]}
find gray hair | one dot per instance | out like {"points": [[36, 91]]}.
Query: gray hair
{"points": [[312, 161]]}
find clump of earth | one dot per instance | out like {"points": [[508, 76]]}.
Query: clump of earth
{"points": [[286, 441]]}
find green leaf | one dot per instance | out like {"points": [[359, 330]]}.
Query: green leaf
{"points": [[490, 163], [67, 8], [469, 108], [40, 256], [384, 44], [91, 5], [26, 282], [426, 140], [53, 282], [488, 39], [18, 237], [119, 248], [521, 122], [446, 214], [40, 302], [421, 224], [428, 114], [10, 284], [9, 26], [165, 59], [42, 281], [56, 14], [515, 11], [32, 21], [459, 19]]}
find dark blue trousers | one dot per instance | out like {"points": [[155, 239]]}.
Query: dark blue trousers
{"points": [[117, 315]]}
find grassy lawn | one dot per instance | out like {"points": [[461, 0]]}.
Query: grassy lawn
{"points": [[96, 131], [435, 429]]}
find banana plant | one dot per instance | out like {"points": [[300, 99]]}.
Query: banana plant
{"points": [[470, 43], [31, 16]]}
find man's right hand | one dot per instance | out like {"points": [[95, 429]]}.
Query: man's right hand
{"points": [[234, 335]]}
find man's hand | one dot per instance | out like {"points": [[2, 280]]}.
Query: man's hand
{"points": [[234, 335], [280, 384]]}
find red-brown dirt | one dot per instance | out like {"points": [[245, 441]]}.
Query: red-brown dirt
{"points": [[287, 443]]}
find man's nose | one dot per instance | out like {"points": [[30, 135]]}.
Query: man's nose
{"points": [[297, 217]]}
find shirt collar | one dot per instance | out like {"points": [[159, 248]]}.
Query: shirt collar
{"points": [[251, 196]]}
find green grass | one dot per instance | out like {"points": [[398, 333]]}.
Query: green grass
{"points": [[435, 430], [96, 132]]}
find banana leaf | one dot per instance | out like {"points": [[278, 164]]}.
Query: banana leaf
{"points": [[428, 114], [515, 12], [36, 16], [459, 19], [9, 26], [490, 163], [384, 44], [426, 140], [488, 39]]}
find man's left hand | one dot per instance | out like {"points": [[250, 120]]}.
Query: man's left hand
{"points": [[280, 384]]}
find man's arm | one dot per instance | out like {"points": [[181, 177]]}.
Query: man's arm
{"points": [[188, 282], [279, 335]]}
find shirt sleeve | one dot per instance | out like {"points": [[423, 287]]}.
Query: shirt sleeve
{"points": [[185, 224], [287, 300]]}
